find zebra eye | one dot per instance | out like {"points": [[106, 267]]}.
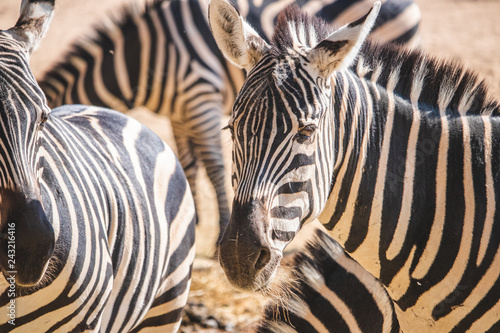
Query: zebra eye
{"points": [[230, 128], [305, 133], [43, 119]]}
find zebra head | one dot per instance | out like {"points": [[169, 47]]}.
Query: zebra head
{"points": [[283, 132], [26, 236]]}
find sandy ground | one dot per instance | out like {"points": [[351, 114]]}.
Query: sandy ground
{"points": [[468, 30]]}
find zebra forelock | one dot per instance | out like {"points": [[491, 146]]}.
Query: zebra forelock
{"points": [[295, 30]]}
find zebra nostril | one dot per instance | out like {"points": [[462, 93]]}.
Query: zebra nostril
{"points": [[263, 259]]}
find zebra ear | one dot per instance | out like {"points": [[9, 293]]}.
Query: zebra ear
{"points": [[237, 40], [33, 22], [339, 50]]}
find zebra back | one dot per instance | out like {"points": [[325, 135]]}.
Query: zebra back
{"points": [[327, 291]]}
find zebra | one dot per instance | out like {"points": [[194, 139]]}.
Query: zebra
{"points": [[165, 59], [97, 219], [327, 291], [392, 150]]}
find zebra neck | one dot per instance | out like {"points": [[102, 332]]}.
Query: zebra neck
{"points": [[367, 118]]}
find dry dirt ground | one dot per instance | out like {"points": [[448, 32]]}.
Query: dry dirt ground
{"points": [[468, 30]]}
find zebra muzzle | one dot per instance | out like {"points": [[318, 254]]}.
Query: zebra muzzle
{"points": [[27, 240], [245, 254]]}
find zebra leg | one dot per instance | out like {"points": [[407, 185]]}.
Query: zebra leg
{"points": [[185, 154], [207, 147]]}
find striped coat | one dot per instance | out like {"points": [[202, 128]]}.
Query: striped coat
{"points": [[165, 59], [97, 220], [325, 290], [392, 150]]}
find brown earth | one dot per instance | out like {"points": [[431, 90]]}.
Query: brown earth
{"points": [[467, 30]]}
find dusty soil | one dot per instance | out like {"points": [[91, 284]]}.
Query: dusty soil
{"points": [[464, 29]]}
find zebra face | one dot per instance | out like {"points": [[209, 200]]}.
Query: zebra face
{"points": [[26, 237], [283, 132], [280, 177], [25, 232], [24, 228]]}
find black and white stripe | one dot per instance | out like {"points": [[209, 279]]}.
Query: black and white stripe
{"points": [[327, 291], [96, 206], [394, 153], [165, 59]]}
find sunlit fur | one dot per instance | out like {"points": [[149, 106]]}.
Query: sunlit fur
{"points": [[14, 174], [164, 58], [267, 140], [273, 163], [328, 291], [405, 154], [106, 190], [20, 156]]}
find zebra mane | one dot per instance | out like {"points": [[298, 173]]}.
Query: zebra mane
{"points": [[444, 84]]}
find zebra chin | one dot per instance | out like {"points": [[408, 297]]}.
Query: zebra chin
{"points": [[26, 275], [247, 275], [27, 240]]}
